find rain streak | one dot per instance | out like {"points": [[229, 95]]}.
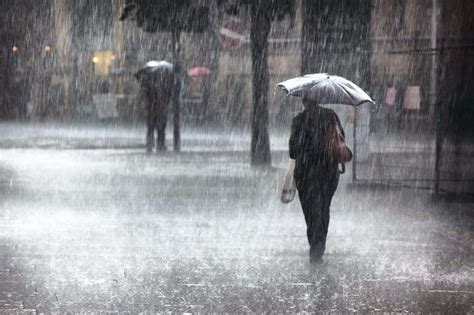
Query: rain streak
{"points": [[236, 156]]}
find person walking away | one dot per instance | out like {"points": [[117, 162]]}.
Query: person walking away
{"points": [[316, 173], [158, 98]]}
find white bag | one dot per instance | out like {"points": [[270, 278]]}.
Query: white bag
{"points": [[289, 187]]}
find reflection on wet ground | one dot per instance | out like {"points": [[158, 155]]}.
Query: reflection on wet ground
{"points": [[120, 230]]}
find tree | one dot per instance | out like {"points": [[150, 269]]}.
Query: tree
{"points": [[262, 13], [260, 28]]}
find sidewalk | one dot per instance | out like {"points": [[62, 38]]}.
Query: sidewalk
{"points": [[409, 159], [403, 159]]}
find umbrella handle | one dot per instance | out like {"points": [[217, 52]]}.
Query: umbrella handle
{"points": [[343, 168]]}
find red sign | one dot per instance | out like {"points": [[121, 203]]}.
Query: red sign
{"points": [[232, 33]]}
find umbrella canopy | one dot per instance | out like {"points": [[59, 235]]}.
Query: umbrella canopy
{"points": [[154, 73], [199, 71], [326, 89]]}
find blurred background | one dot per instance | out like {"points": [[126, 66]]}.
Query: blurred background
{"points": [[72, 61]]}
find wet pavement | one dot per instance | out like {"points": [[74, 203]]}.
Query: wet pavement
{"points": [[91, 223]]}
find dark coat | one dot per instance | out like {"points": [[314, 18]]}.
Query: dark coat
{"points": [[306, 147]]}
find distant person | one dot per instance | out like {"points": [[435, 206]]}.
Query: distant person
{"points": [[157, 102], [159, 85], [316, 173]]}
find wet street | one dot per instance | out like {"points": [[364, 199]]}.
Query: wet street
{"points": [[101, 226]]}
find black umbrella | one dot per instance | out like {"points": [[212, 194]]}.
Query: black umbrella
{"points": [[155, 73], [326, 89]]}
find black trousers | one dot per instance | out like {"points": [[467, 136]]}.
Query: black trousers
{"points": [[156, 120], [315, 197]]}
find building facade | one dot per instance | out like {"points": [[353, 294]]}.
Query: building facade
{"points": [[71, 50]]}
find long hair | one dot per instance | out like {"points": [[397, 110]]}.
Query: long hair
{"points": [[308, 102]]}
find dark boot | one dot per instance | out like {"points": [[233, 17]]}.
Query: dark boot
{"points": [[316, 251], [160, 142], [160, 132], [161, 148]]}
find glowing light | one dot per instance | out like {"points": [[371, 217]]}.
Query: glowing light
{"points": [[47, 48], [103, 60], [14, 48]]}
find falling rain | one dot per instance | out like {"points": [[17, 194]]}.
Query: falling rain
{"points": [[180, 156]]}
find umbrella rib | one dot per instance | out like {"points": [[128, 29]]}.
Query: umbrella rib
{"points": [[347, 92], [358, 90]]}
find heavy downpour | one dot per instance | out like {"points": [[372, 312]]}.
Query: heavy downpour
{"points": [[234, 156]]}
